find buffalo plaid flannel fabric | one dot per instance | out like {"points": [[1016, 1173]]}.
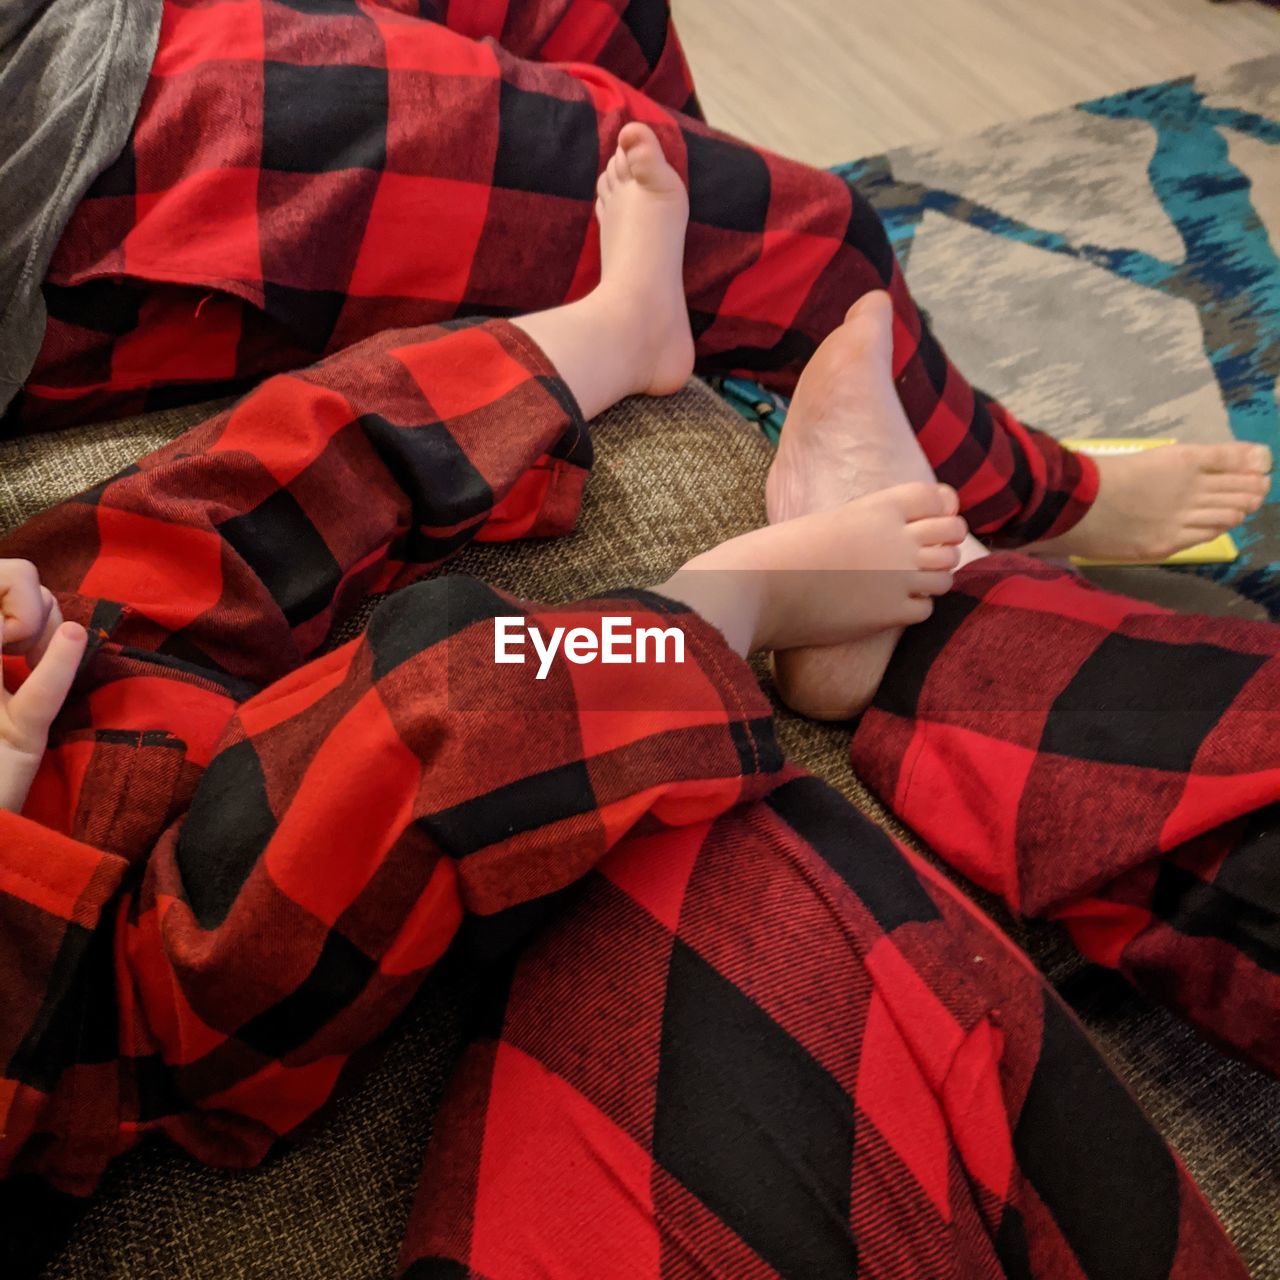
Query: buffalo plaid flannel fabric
{"points": [[773, 1044], [239, 858], [1106, 763], [303, 175], [783, 1041]]}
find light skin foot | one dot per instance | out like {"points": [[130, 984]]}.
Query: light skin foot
{"points": [[1155, 503], [846, 434], [821, 579], [630, 335]]}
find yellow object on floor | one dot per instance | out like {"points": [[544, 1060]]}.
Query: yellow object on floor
{"points": [[1219, 550]]}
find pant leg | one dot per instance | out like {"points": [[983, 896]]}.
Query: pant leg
{"points": [[397, 797], [1105, 763], [634, 40], [238, 546], [440, 176], [773, 1044]]}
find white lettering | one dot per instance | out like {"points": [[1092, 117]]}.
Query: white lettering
{"points": [[546, 653], [660, 637], [503, 636], [581, 645], [615, 645], [618, 639]]}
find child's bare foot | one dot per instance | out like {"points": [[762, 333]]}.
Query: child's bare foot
{"points": [[821, 579], [643, 210], [1152, 504], [846, 435]]}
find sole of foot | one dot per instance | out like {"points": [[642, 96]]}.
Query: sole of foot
{"points": [[643, 210], [846, 435], [1161, 501]]}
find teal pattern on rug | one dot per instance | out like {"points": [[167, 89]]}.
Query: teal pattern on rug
{"points": [[1228, 269]]}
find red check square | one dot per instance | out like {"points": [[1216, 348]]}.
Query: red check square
{"points": [[409, 216]]}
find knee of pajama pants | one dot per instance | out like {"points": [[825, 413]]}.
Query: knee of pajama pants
{"points": [[770, 1045]]}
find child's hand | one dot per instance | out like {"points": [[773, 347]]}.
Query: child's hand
{"points": [[31, 623], [28, 611]]}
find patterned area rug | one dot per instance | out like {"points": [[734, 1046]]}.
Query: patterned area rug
{"points": [[1112, 270]]}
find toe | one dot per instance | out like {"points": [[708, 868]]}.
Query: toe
{"points": [[634, 134], [1216, 519], [1233, 485], [919, 500], [932, 582], [940, 530], [1240, 500], [937, 557], [639, 142], [915, 609], [875, 304], [1255, 458]]}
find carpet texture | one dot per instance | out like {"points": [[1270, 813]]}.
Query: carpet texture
{"points": [[1111, 270]]}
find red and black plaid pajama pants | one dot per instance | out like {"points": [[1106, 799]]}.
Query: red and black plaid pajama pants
{"points": [[751, 1037], [1106, 763], [305, 173]]}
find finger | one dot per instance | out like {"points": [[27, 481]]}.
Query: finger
{"points": [[40, 699], [52, 621], [21, 603]]}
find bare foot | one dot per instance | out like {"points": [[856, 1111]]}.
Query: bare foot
{"points": [[846, 435], [643, 210], [820, 579], [1152, 504]]}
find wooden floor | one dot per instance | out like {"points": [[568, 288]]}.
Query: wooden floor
{"points": [[832, 80]]}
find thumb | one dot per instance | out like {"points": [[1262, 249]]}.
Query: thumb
{"points": [[38, 702]]}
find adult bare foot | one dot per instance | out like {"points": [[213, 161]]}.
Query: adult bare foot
{"points": [[846, 435], [1154, 503], [820, 579], [643, 210]]}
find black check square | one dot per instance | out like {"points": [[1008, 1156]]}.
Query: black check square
{"points": [[318, 119], [650, 24], [228, 826], [1144, 703], [730, 1080], [281, 545], [309, 315], [425, 459], [729, 185], [549, 146]]}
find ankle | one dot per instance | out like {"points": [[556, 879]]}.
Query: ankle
{"points": [[731, 600], [625, 331]]}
